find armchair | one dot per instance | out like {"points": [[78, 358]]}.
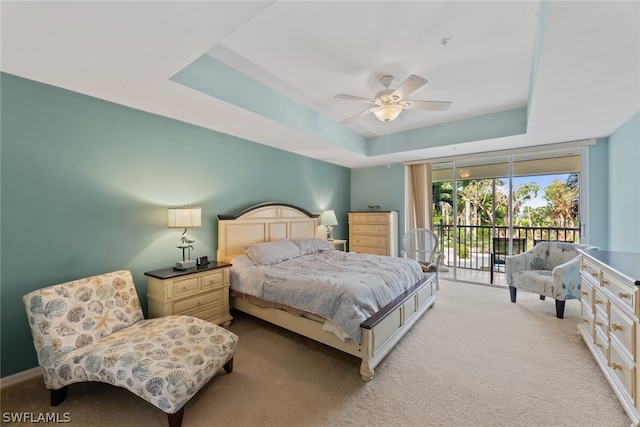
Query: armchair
{"points": [[421, 245], [550, 269], [93, 329]]}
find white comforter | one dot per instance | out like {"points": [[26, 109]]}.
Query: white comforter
{"points": [[344, 287]]}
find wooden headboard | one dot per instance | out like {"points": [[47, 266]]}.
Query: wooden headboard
{"points": [[262, 223]]}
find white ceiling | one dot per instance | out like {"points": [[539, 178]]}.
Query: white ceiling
{"points": [[583, 82]]}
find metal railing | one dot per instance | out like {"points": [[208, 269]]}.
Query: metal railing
{"points": [[473, 244]]}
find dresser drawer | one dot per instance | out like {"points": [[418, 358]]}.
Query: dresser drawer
{"points": [[591, 269], [369, 217], [627, 296], [187, 304], [624, 370], [586, 322], [368, 250], [602, 345], [369, 241], [185, 287], [601, 322], [587, 293], [370, 230], [601, 301], [207, 312], [623, 328]]}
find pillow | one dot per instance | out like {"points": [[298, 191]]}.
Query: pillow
{"points": [[272, 252], [312, 245]]}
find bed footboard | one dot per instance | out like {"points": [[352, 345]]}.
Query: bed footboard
{"points": [[382, 331]]}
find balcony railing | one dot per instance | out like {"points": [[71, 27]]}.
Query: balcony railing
{"points": [[474, 243]]}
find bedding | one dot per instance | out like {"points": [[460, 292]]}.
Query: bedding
{"points": [[343, 287]]}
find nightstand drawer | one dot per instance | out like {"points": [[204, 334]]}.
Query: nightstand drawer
{"points": [[210, 312], [185, 287], [213, 280], [187, 304]]}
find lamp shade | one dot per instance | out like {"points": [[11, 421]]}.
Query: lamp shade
{"points": [[328, 217], [185, 217]]}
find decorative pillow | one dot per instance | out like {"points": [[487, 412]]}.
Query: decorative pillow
{"points": [[312, 245], [272, 252]]}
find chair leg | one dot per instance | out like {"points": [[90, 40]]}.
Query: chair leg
{"points": [[559, 309], [228, 367], [513, 291], [542, 297], [58, 396], [175, 420]]}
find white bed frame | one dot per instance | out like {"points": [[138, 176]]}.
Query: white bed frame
{"points": [[380, 333]]}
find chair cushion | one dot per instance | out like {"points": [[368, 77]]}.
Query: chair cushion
{"points": [[164, 361], [536, 281]]}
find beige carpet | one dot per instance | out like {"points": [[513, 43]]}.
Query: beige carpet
{"points": [[473, 359]]}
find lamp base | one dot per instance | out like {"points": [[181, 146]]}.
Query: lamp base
{"points": [[184, 265]]}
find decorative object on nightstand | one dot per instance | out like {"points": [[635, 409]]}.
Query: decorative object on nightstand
{"points": [[201, 292], [328, 219], [185, 218]]}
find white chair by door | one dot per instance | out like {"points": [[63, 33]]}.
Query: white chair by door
{"points": [[421, 245]]}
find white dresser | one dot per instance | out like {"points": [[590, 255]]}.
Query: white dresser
{"points": [[374, 232], [609, 293]]}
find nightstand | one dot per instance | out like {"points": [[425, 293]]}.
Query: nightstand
{"points": [[337, 243], [200, 292]]}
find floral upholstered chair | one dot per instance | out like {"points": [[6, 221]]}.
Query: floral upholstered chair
{"points": [[93, 329], [550, 269]]}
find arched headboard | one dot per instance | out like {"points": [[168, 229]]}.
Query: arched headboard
{"points": [[262, 223]]}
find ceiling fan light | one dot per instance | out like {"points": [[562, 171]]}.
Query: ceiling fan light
{"points": [[387, 113]]}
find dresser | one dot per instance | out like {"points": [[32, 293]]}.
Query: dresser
{"points": [[201, 292], [610, 313], [374, 232]]}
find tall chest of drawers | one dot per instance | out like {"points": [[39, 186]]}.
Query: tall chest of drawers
{"points": [[200, 292], [610, 313], [374, 232]]}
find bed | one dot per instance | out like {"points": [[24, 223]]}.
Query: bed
{"points": [[377, 334]]}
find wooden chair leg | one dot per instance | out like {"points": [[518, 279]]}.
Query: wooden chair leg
{"points": [[228, 367], [58, 396], [542, 297], [513, 291], [175, 420]]}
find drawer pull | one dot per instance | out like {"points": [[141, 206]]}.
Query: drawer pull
{"points": [[604, 282], [616, 327], [595, 274], [599, 323], [599, 345], [616, 365], [599, 301], [584, 293], [624, 295], [584, 320]]}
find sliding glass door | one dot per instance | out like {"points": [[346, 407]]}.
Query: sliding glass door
{"points": [[487, 208]]}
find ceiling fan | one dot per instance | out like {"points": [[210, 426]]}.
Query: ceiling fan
{"points": [[389, 103]]}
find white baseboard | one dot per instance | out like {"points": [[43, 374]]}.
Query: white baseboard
{"points": [[19, 377]]}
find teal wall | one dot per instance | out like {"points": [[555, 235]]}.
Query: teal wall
{"points": [[383, 186], [85, 186], [598, 197], [624, 187]]}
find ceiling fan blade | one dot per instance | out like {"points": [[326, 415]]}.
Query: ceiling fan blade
{"points": [[426, 105], [408, 86], [355, 98], [356, 116]]}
